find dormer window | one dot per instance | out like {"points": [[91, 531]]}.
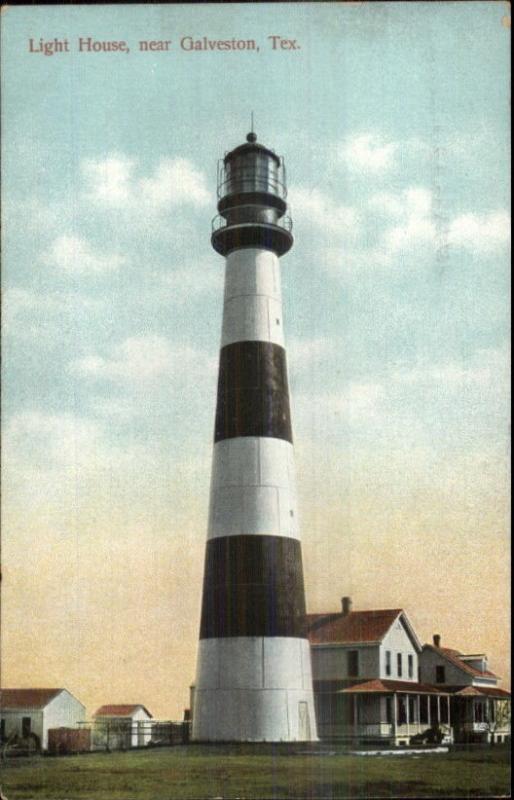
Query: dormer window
{"points": [[440, 676]]}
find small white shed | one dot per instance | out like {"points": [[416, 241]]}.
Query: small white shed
{"points": [[32, 712], [123, 725]]}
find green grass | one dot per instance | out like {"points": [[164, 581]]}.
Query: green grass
{"points": [[200, 772]]}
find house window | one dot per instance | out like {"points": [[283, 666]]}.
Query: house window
{"points": [[411, 665], [353, 663], [25, 726], [423, 708], [399, 665], [440, 676], [388, 662], [444, 709], [413, 709]]}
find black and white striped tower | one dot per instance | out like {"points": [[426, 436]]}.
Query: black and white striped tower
{"points": [[253, 680]]}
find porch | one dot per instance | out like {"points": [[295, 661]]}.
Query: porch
{"points": [[397, 713], [481, 714]]}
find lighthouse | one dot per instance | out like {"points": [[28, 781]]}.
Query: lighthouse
{"points": [[253, 679]]}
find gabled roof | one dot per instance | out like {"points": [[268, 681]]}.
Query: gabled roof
{"points": [[379, 686], [356, 627], [454, 657], [27, 698], [121, 710]]}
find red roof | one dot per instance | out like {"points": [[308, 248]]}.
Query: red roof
{"points": [[27, 698], [119, 710], [379, 686], [357, 626], [476, 691], [455, 657]]}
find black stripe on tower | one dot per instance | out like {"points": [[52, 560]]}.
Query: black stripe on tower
{"points": [[253, 395], [253, 586]]}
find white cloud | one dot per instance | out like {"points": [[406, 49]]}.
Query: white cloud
{"points": [[368, 153], [109, 179], [487, 370], [58, 461], [45, 439], [409, 226], [352, 405], [324, 212], [480, 233], [399, 224], [194, 279], [175, 181], [360, 400], [415, 201], [112, 182], [120, 408], [413, 207], [74, 254], [304, 352], [140, 360], [27, 313]]}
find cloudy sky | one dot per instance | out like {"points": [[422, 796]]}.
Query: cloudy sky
{"points": [[392, 119]]}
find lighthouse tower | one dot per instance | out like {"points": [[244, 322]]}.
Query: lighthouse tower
{"points": [[253, 680]]}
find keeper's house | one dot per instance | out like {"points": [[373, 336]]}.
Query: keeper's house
{"points": [[480, 709], [374, 682], [31, 713]]}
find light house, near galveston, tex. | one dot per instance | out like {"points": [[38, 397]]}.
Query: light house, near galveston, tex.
{"points": [[253, 679]]}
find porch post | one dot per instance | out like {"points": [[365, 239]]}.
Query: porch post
{"points": [[407, 704], [355, 714], [395, 717], [449, 720], [419, 711], [438, 709], [428, 711]]}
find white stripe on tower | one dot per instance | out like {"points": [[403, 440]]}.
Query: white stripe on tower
{"points": [[253, 303], [253, 678]]}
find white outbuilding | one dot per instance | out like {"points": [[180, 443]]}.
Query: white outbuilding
{"points": [[121, 726], [29, 713]]}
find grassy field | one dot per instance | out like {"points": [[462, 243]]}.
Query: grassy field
{"points": [[200, 772]]}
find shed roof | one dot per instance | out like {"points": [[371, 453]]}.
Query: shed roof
{"points": [[27, 698], [120, 710]]}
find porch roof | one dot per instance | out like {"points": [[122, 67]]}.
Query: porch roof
{"points": [[379, 686], [479, 691]]}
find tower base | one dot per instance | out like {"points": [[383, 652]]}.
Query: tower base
{"points": [[254, 689]]}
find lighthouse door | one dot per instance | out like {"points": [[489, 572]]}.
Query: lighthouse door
{"points": [[304, 723]]}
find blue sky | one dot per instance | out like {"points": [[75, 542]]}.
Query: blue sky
{"points": [[392, 119]]}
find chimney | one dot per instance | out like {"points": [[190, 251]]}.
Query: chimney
{"points": [[346, 603], [437, 640]]}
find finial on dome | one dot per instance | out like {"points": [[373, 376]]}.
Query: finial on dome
{"points": [[252, 137]]}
